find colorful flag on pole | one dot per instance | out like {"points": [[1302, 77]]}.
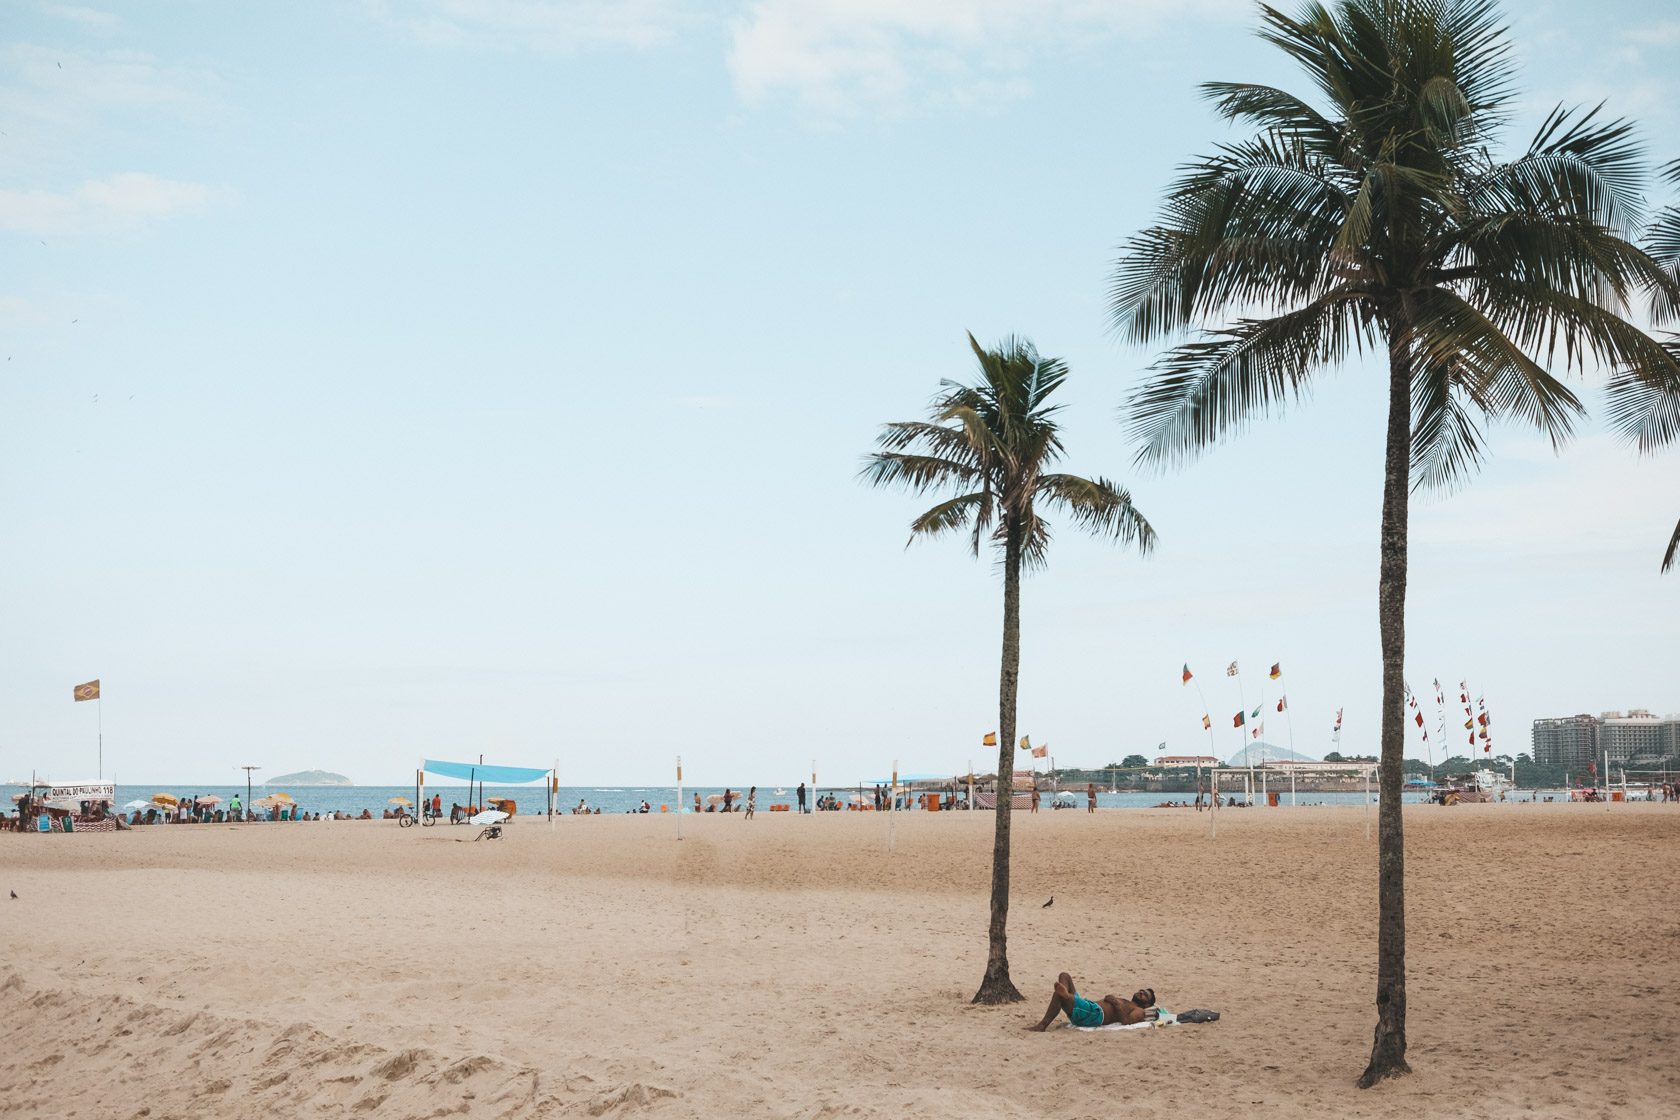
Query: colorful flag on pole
{"points": [[1420, 719], [1026, 743], [88, 691], [1186, 673], [1207, 724], [1255, 714], [1283, 703], [1277, 670], [1232, 671], [1040, 752], [1468, 724], [990, 740], [1237, 720]]}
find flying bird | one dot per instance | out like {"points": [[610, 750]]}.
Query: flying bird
{"points": [[1046, 906]]}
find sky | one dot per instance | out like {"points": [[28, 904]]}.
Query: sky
{"points": [[398, 379]]}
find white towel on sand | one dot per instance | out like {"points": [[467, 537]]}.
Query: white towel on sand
{"points": [[1167, 1019]]}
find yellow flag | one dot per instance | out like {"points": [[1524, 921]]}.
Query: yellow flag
{"points": [[88, 691], [1026, 743], [990, 740]]}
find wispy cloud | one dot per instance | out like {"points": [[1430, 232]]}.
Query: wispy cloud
{"points": [[120, 203], [89, 19], [842, 57], [544, 25], [52, 99], [1663, 34]]}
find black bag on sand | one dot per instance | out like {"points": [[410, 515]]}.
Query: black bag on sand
{"points": [[1197, 1016]]}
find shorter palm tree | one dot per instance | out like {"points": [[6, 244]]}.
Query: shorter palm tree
{"points": [[993, 442]]}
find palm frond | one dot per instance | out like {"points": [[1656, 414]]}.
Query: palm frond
{"points": [[1099, 507], [1673, 548], [1201, 390], [1447, 441], [916, 473], [1645, 411], [1455, 337], [948, 516]]}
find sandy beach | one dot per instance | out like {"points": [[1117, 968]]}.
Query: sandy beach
{"points": [[791, 967]]}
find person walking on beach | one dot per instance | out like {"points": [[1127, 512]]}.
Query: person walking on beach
{"points": [[752, 801], [1090, 797], [728, 798], [1035, 799], [801, 792], [697, 803]]}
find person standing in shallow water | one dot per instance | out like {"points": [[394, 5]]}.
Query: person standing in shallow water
{"points": [[1090, 797]]}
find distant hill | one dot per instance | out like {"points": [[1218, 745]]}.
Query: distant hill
{"points": [[310, 778], [1267, 752]]}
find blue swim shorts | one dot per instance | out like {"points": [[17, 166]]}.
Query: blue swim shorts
{"points": [[1085, 1013]]}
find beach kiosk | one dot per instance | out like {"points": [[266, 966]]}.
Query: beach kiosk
{"points": [[87, 804]]}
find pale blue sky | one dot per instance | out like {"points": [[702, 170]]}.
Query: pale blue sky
{"points": [[425, 377]]}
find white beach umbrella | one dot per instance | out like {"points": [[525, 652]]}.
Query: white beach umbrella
{"points": [[141, 805], [490, 816]]}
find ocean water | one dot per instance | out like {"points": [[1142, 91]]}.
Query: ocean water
{"points": [[620, 799]]}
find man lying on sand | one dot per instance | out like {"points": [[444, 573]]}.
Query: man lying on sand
{"points": [[1082, 1012]]}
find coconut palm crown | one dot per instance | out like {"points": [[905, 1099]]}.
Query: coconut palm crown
{"points": [[1373, 215], [993, 442]]}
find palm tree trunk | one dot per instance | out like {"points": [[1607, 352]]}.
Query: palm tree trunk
{"points": [[1388, 1049], [996, 987]]}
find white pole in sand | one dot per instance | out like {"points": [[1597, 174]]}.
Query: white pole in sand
{"points": [[812, 800], [1292, 787], [1367, 802], [1607, 775], [1263, 800], [1213, 814], [679, 797], [553, 793], [971, 783], [892, 815]]}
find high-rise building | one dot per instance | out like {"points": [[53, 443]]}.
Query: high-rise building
{"points": [[1568, 741], [1636, 736], [1633, 736]]}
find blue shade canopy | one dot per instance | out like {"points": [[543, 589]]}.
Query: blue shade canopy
{"points": [[902, 778], [481, 772]]}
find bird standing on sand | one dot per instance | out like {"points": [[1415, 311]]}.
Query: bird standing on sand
{"points": [[1046, 906]]}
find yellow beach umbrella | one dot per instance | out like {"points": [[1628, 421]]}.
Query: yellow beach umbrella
{"points": [[166, 799], [402, 801]]}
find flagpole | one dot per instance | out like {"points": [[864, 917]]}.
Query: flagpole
{"points": [[679, 797], [1206, 715], [892, 814], [99, 705], [1242, 700]]}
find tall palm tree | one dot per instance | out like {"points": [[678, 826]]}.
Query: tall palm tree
{"points": [[993, 443], [1373, 215], [1646, 412]]}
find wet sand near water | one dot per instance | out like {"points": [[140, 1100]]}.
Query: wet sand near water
{"points": [[791, 967]]}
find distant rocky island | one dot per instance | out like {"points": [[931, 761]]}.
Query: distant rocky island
{"points": [[310, 778]]}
